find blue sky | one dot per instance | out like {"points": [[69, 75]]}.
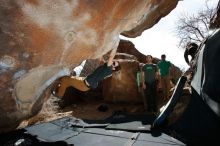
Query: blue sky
{"points": [[161, 39]]}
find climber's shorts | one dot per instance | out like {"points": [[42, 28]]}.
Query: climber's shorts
{"points": [[99, 74]]}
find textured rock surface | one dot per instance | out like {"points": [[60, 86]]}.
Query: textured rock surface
{"points": [[121, 87], [38, 34], [153, 16], [128, 47]]}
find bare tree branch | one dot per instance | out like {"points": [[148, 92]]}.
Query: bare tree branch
{"points": [[195, 27]]}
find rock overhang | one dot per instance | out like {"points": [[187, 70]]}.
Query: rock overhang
{"points": [[43, 40]]}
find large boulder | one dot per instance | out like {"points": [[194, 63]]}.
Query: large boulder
{"points": [[128, 47], [43, 40], [122, 86]]}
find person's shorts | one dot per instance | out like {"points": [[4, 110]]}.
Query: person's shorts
{"points": [[99, 74]]}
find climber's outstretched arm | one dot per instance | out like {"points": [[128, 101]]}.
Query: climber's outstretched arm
{"points": [[101, 72], [111, 57]]}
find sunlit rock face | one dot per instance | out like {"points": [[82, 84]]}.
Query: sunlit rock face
{"points": [[157, 9], [42, 39]]}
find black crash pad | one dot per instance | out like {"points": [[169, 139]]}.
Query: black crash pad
{"points": [[78, 132], [69, 131]]}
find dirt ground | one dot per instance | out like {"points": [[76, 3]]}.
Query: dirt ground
{"points": [[83, 110]]}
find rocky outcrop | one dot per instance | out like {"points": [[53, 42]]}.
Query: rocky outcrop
{"points": [[72, 95], [149, 19], [43, 40], [92, 64], [128, 47], [125, 56], [122, 87]]}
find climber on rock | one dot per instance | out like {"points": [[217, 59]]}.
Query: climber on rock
{"points": [[92, 80]]}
